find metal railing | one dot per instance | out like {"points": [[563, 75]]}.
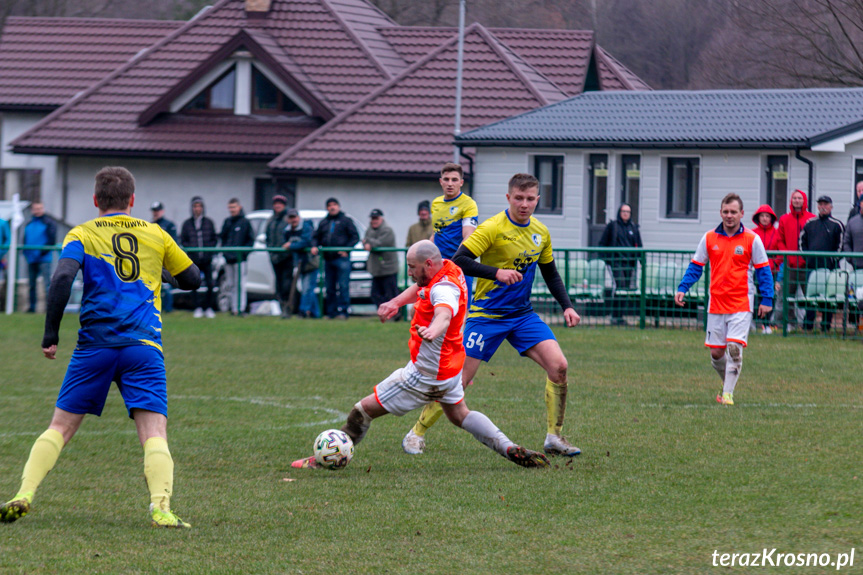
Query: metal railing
{"points": [[635, 288]]}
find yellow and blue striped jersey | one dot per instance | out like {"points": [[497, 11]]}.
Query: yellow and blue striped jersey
{"points": [[504, 244], [121, 261], [448, 219]]}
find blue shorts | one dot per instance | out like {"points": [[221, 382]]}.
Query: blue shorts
{"points": [[483, 335], [139, 371]]}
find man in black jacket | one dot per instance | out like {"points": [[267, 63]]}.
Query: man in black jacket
{"points": [[236, 232], [621, 233], [336, 230], [199, 231], [283, 261], [158, 211], [822, 234]]}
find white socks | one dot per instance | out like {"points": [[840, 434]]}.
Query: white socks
{"points": [[734, 353], [486, 432]]}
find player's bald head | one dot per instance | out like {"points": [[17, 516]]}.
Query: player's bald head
{"points": [[424, 250]]}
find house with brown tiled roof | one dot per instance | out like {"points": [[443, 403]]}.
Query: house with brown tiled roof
{"points": [[248, 99]]}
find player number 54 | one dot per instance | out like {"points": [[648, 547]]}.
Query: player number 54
{"points": [[474, 339]]}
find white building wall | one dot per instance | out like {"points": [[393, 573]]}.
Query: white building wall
{"points": [[12, 125], [835, 178], [397, 199], [172, 182], [495, 166], [721, 172]]}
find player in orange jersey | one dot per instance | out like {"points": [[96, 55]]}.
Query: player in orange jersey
{"points": [[731, 249], [437, 358]]}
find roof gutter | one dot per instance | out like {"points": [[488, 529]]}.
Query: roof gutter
{"points": [[811, 165], [470, 171], [631, 144]]}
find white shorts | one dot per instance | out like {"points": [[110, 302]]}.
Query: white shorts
{"points": [[722, 328], [407, 389]]}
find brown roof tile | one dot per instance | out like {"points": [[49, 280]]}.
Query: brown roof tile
{"points": [[303, 35], [46, 61], [406, 126], [615, 76], [387, 91]]}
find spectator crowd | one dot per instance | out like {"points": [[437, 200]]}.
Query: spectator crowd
{"points": [[298, 260]]}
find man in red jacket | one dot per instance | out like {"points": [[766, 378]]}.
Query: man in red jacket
{"points": [[790, 226]]}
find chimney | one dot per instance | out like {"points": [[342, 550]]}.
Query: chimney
{"points": [[257, 7]]}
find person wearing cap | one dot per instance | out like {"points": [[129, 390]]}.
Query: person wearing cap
{"points": [[282, 261], [158, 211], [199, 231], [822, 234], [298, 239], [336, 230], [423, 229], [383, 266]]}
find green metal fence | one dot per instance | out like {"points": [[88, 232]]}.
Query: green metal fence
{"points": [[635, 288]]}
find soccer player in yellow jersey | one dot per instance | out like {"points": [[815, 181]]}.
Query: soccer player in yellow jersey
{"points": [[511, 246], [123, 261]]}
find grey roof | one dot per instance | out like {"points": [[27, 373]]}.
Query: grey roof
{"points": [[707, 119]]}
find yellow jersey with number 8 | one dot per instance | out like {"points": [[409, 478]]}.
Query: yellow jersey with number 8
{"points": [[121, 260]]}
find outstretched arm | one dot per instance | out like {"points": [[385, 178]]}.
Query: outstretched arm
{"points": [[389, 309], [58, 297]]}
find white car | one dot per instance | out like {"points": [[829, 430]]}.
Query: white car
{"points": [[260, 281]]}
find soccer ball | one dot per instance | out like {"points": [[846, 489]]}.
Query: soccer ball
{"points": [[333, 449]]}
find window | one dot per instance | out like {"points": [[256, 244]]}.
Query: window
{"points": [[267, 98], [630, 186], [243, 88], [26, 183], [683, 188], [217, 97], [267, 188], [858, 172], [598, 169], [549, 171], [777, 184]]}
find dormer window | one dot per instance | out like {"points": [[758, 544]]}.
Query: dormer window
{"points": [[241, 86], [219, 96], [267, 98]]}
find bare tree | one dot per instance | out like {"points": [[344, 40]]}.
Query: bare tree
{"points": [[789, 43]]}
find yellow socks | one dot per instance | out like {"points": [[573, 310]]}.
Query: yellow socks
{"points": [[43, 456], [159, 472], [555, 405], [431, 413]]}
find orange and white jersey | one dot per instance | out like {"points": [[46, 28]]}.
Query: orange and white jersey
{"points": [[442, 358], [730, 258]]}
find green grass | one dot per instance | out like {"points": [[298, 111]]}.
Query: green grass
{"points": [[667, 475]]}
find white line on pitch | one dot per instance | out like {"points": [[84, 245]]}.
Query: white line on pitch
{"points": [[758, 405]]}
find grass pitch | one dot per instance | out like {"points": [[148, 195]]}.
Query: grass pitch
{"points": [[667, 476]]}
